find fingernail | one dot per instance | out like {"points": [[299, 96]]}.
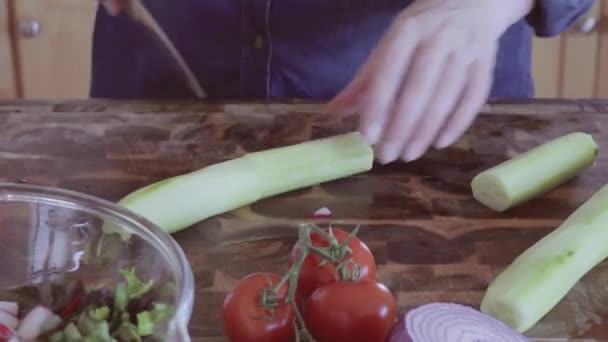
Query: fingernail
{"points": [[445, 140], [389, 153], [372, 134], [414, 151]]}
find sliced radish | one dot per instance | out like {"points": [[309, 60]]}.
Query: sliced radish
{"points": [[37, 322], [323, 212], [10, 307], [8, 335], [8, 320], [6, 332]]}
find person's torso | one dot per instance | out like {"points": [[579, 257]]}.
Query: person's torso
{"points": [[264, 49]]}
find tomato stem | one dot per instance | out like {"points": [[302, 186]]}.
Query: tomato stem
{"points": [[334, 253], [292, 274], [327, 236]]}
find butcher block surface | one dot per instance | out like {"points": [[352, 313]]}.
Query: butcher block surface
{"points": [[432, 241]]}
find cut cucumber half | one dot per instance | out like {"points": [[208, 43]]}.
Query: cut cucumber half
{"points": [[534, 172], [540, 277], [178, 202]]}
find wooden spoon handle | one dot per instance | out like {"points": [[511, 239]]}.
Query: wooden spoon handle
{"points": [[138, 11]]}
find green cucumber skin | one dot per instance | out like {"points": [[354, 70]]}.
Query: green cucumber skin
{"points": [[538, 170], [182, 201], [330, 158], [542, 276], [179, 202]]}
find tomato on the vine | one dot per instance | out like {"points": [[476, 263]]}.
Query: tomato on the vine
{"points": [[350, 311], [314, 274], [246, 320]]}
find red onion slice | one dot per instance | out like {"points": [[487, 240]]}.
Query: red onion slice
{"points": [[450, 322]]}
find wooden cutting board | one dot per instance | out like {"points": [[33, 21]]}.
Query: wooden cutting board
{"points": [[431, 239]]}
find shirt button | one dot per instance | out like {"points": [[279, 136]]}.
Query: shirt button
{"points": [[258, 43]]}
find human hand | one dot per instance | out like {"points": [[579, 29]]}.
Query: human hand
{"points": [[429, 76], [114, 7]]}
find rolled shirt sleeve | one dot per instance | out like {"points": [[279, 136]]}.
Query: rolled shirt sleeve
{"points": [[552, 17]]}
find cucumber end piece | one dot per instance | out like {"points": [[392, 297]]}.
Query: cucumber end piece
{"points": [[491, 192]]}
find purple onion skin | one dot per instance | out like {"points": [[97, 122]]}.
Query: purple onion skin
{"points": [[398, 332], [488, 326]]}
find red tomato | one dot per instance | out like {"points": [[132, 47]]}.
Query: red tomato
{"points": [[312, 276], [351, 311], [245, 320]]}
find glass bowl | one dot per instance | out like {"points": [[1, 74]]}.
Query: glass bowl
{"points": [[56, 241]]}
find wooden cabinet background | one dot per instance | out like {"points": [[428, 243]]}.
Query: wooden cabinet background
{"points": [[574, 64], [45, 52], [56, 62], [7, 66]]}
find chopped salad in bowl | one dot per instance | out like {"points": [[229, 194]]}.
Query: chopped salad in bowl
{"points": [[77, 268]]}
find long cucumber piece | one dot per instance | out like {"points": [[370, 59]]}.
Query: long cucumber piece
{"points": [[534, 172], [179, 202], [540, 277], [317, 161]]}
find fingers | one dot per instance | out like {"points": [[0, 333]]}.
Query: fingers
{"points": [[475, 95], [421, 80], [445, 98], [348, 101], [423, 85], [386, 81]]}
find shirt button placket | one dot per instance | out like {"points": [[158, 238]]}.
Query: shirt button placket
{"points": [[258, 42]]}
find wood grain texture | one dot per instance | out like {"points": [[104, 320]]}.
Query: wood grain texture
{"points": [[580, 61], [7, 76], [57, 62], [431, 239], [547, 66], [602, 73]]}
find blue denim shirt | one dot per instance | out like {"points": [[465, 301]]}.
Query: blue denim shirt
{"points": [[281, 48]]}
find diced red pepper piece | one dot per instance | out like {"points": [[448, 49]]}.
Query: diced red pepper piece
{"points": [[71, 307]]}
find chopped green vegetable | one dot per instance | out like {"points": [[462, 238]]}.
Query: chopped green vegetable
{"points": [[127, 331], [97, 314], [146, 320], [159, 312], [538, 279], [178, 202], [71, 332], [99, 331], [135, 287], [89, 325], [145, 325], [58, 337], [535, 171], [121, 297], [101, 314]]}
